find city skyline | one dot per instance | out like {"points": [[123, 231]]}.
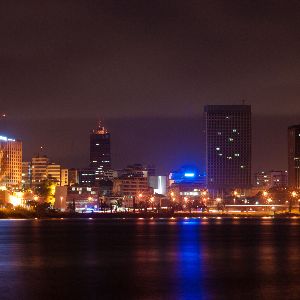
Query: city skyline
{"points": [[163, 131], [149, 149], [160, 62]]}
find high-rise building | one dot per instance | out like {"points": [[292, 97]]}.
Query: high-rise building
{"points": [[100, 156], [294, 156], [228, 146], [10, 162], [39, 169]]}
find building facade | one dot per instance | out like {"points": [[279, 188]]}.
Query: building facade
{"points": [[73, 176], [294, 157], [271, 179], [64, 177], [53, 172], [10, 162], [39, 169], [228, 146], [100, 154]]}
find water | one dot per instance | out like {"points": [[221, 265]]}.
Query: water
{"points": [[150, 259]]}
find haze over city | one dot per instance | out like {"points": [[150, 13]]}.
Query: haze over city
{"points": [[147, 69]]}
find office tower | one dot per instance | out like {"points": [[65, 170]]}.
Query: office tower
{"points": [[228, 146], [39, 169], [294, 156], [100, 156], [10, 162]]}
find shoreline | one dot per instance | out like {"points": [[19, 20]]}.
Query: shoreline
{"points": [[146, 216]]}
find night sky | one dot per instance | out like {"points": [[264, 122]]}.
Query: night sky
{"points": [[147, 68]]}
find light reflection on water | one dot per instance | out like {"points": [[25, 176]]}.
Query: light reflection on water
{"points": [[150, 259]]}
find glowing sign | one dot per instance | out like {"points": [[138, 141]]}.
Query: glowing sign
{"points": [[189, 174], [4, 138]]}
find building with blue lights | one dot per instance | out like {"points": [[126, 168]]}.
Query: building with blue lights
{"points": [[187, 181]]}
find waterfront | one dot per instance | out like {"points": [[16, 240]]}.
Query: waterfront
{"points": [[150, 259]]}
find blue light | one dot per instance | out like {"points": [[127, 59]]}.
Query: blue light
{"points": [[189, 174]]}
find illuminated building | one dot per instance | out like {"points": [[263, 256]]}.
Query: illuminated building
{"points": [[187, 182], [53, 172], [228, 146], [82, 197], [294, 156], [26, 174], [100, 155], [39, 169], [131, 186], [10, 162], [133, 180], [271, 179], [86, 177], [64, 177], [159, 184]]}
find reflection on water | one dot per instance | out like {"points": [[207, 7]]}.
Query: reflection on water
{"points": [[150, 259]]}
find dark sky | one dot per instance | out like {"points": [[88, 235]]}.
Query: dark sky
{"points": [[147, 68]]}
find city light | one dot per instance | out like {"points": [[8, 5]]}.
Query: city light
{"points": [[189, 174]]}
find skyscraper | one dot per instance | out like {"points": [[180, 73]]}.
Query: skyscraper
{"points": [[228, 146], [294, 156], [10, 162], [100, 156]]}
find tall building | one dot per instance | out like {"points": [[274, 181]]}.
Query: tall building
{"points": [[39, 169], [10, 162], [228, 146], [100, 156], [294, 156]]}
